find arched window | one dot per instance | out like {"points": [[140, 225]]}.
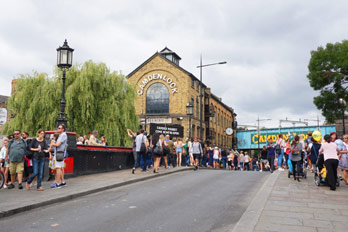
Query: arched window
{"points": [[157, 99]]}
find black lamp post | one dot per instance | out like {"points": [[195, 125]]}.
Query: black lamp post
{"points": [[344, 104], [64, 62], [201, 95], [189, 112]]}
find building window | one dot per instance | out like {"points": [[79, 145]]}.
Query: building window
{"points": [[157, 99], [192, 84]]}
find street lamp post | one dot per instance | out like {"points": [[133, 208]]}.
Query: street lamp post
{"points": [[64, 62], [258, 130], [201, 94], [189, 112], [344, 104]]}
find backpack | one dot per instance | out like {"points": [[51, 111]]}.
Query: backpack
{"points": [[277, 148], [142, 146]]}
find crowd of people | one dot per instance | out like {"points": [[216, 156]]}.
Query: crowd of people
{"points": [[92, 139], [22, 159]]}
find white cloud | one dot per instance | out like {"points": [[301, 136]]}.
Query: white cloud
{"points": [[266, 43]]}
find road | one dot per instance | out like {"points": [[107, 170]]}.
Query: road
{"points": [[203, 200]]}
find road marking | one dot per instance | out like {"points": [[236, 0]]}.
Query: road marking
{"points": [[132, 207]]}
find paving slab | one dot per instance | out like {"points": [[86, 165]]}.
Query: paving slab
{"points": [[290, 205]]}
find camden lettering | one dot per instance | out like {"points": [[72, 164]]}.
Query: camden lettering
{"points": [[156, 76]]}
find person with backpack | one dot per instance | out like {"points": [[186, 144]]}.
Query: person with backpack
{"points": [[15, 155], [157, 151], [141, 147], [197, 151], [279, 149], [271, 154]]}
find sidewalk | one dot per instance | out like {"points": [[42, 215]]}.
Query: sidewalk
{"points": [[283, 204], [15, 201]]}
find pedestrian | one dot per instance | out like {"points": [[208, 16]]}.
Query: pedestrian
{"points": [[270, 154], [39, 147], [210, 154], [343, 157], [179, 151], [235, 160], [279, 148], [254, 164], [157, 151], [141, 147], [246, 161], [330, 151], [216, 157], [60, 154], [166, 151], [334, 137], [230, 159], [52, 160], [264, 159], [307, 144], [103, 141], [93, 139], [313, 151], [223, 157], [241, 161], [172, 154], [197, 152], [287, 152], [5, 165], [15, 155], [296, 157]]}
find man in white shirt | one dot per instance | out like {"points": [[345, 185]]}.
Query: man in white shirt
{"points": [[139, 140]]}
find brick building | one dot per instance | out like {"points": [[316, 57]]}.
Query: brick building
{"points": [[4, 115], [164, 89]]}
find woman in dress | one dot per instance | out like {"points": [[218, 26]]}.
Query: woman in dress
{"points": [[343, 157], [330, 151]]}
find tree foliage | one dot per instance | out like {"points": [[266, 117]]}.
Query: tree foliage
{"points": [[328, 73], [96, 99]]}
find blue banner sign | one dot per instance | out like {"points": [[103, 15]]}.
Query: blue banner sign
{"points": [[250, 139]]}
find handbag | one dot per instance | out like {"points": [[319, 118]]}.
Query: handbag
{"points": [[60, 156], [157, 150], [142, 146]]}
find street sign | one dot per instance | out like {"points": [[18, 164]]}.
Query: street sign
{"points": [[172, 130]]}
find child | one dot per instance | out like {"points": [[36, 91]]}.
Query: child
{"points": [[323, 173], [51, 163]]}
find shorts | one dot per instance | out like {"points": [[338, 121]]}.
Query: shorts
{"points": [[264, 161], [196, 156], [57, 164], [179, 150], [216, 160], [5, 164], [16, 167]]}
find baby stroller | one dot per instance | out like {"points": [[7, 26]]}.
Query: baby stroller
{"points": [[318, 178], [301, 173]]}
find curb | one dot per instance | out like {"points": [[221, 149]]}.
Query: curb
{"points": [[11, 212], [252, 214]]}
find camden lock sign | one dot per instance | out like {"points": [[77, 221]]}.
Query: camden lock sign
{"points": [[172, 130], [156, 76]]}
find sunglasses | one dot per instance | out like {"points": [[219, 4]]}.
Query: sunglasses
{"points": [[345, 137], [16, 133]]}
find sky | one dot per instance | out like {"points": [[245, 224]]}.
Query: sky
{"points": [[266, 44]]}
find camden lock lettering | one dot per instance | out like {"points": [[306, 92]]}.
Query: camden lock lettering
{"points": [[263, 138], [156, 76]]}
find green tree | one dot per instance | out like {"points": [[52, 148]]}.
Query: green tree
{"points": [[96, 99], [328, 73]]}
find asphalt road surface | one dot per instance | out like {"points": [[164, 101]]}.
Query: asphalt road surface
{"points": [[203, 200]]}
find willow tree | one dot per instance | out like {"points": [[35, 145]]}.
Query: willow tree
{"points": [[96, 99]]}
